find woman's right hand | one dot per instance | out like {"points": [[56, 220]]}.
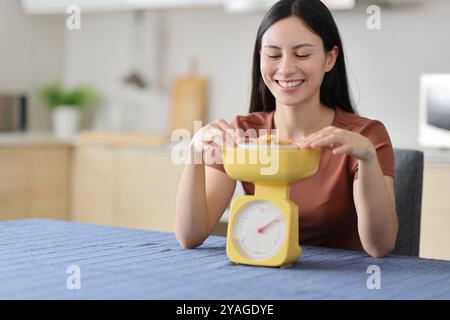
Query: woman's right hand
{"points": [[214, 136], [203, 193]]}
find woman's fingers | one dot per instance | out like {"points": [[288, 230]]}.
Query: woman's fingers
{"points": [[325, 141], [305, 143], [236, 135], [210, 132], [322, 140], [218, 134], [339, 141], [223, 124]]}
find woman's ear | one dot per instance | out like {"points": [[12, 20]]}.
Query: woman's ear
{"points": [[331, 57]]}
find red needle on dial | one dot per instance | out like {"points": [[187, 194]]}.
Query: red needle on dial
{"points": [[261, 229]]}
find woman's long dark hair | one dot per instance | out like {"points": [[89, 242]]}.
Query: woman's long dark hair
{"points": [[334, 91]]}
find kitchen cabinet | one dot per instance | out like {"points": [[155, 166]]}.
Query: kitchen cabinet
{"points": [[49, 182], [435, 224], [92, 185], [13, 183], [145, 188], [34, 181], [127, 186]]}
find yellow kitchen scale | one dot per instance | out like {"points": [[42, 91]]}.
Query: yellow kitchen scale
{"points": [[263, 229]]}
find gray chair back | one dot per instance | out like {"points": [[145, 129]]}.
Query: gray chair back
{"points": [[408, 193]]}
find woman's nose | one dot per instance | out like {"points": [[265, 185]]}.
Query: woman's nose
{"points": [[286, 66]]}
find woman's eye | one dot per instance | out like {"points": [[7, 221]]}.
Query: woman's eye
{"points": [[301, 56]]}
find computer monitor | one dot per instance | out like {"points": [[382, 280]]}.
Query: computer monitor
{"points": [[434, 118]]}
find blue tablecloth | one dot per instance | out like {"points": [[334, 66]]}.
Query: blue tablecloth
{"points": [[118, 263]]}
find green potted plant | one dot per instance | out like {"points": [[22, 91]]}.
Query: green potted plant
{"points": [[66, 106]]}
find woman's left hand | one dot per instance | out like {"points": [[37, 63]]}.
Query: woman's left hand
{"points": [[340, 141]]}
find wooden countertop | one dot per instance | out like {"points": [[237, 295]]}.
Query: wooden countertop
{"points": [[114, 139], [25, 138], [122, 138]]}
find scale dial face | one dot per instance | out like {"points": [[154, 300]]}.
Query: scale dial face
{"points": [[259, 230]]}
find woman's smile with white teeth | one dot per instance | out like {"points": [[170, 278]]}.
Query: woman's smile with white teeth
{"points": [[289, 84]]}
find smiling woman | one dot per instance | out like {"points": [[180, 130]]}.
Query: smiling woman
{"points": [[293, 73], [300, 92], [301, 35]]}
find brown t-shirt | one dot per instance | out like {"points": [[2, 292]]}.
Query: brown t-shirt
{"points": [[327, 214]]}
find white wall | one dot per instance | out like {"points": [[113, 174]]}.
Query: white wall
{"points": [[30, 56], [100, 53], [224, 44]]}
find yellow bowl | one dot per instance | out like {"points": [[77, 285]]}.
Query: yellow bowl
{"points": [[283, 164]]}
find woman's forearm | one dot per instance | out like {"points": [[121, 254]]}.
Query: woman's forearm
{"points": [[191, 214], [377, 218]]}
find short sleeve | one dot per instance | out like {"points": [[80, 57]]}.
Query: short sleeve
{"points": [[376, 132]]}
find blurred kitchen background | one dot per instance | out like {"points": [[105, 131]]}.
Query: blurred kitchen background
{"points": [[158, 65]]}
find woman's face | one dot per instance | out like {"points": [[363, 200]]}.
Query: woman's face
{"points": [[293, 61]]}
